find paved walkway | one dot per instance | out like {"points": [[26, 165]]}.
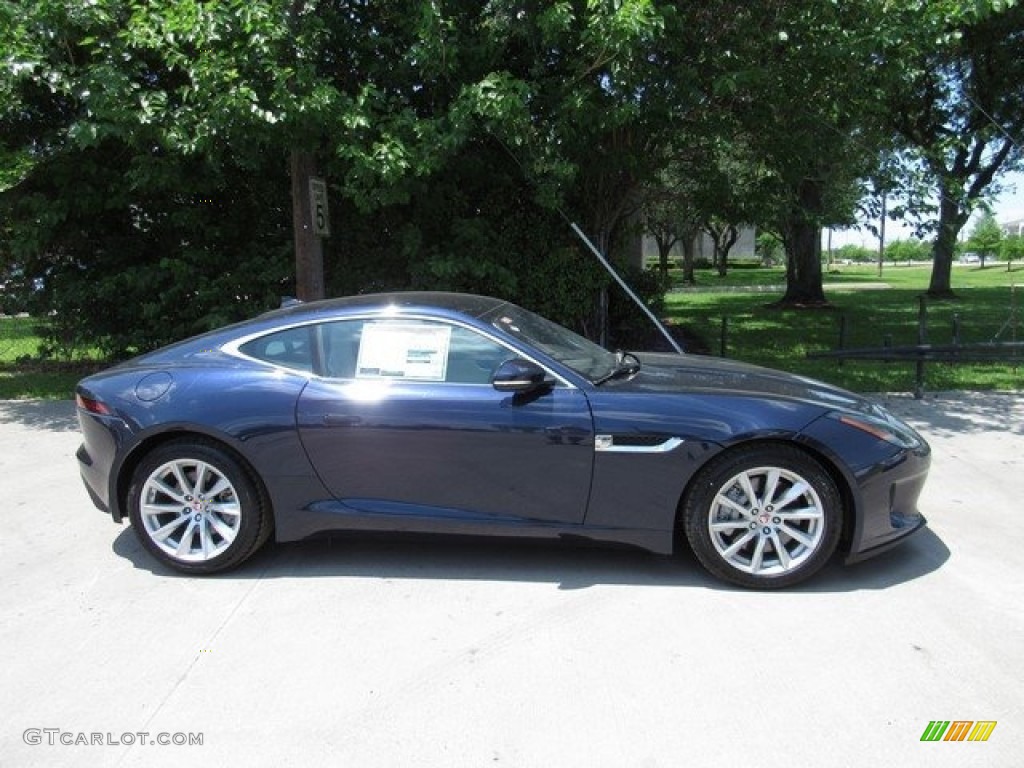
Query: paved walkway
{"points": [[449, 653], [781, 288]]}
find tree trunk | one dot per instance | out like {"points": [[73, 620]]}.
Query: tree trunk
{"points": [[951, 221], [309, 250], [725, 239], [688, 240], [803, 250], [665, 244]]}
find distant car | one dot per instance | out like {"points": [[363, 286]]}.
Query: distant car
{"points": [[459, 414]]}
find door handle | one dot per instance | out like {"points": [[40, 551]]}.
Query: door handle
{"points": [[341, 420]]}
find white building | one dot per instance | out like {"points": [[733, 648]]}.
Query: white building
{"points": [[1015, 227], [705, 247]]}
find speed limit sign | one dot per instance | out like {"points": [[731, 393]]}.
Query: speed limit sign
{"points": [[318, 207]]}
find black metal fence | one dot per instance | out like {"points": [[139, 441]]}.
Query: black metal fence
{"points": [[955, 351]]}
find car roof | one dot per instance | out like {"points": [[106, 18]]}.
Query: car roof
{"points": [[462, 303], [427, 302]]}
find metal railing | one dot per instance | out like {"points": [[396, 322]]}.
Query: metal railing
{"points": [[923, 352]]}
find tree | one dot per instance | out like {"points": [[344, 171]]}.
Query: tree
{"points": [[605, 86], [800, 83], [907, 251], [685, 193], [453, 136], [150, 89], [855, 254], [731, 193], [1012, 249], [958, 104], [665, 222], [723, 237], [768, 247], [986, 237]]}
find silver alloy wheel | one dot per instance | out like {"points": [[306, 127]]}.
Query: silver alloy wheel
{"points": [[190, 510], [766, 521]]}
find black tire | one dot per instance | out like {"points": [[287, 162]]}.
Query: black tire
{"points": [[204, 528], [757, 544]]}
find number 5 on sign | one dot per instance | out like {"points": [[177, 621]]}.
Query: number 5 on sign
{"points": [[318, 206]]}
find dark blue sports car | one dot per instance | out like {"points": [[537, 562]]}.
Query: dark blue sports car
{"points": [[435, 412]]}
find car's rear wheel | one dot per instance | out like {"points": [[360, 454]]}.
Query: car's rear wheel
{"points": [[196, 508], [764, 516]]}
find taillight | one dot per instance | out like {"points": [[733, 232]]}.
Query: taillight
{"points": [[92, 406]]}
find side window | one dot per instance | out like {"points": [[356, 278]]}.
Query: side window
{"points": [[292, 348], [341, 348], [472, 358], [409, 350]]}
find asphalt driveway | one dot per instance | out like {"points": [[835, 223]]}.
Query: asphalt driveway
{"points": [[440, 652]]}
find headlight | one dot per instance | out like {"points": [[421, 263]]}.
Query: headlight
{"points": [[884, 426]]}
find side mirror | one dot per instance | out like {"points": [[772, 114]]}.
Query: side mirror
{"points": [[519, 376]]}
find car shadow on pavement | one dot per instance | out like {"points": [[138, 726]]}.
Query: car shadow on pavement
{"points": [[920, 555], [50, 415], [571, 566]]}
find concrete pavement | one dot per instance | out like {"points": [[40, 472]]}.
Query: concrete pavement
{"points": [[376, 652]]}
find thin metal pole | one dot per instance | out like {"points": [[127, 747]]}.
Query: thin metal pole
{"points": [[922, 338], [842, 334], [881, 236], [626, 288]]}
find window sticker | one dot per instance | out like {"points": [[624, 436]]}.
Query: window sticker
{"points": [[396, 351]]}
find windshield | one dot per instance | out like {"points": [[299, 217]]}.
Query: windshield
{"points": [[572, 350]]}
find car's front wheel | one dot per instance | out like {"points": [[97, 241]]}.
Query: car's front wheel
{"points": [[196, 508], [763, 516]]}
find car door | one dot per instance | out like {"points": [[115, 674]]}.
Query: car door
{"points": [[405, 421]]}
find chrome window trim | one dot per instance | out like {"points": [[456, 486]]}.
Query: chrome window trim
{"points": [[232, 348]]}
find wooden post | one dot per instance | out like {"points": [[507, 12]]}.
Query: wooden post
{"points": [[309, 250]]}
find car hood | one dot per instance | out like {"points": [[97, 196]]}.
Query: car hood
{"points": [[667, 373]]}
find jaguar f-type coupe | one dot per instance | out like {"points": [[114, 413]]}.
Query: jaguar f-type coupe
{"points": [[460, 414]]}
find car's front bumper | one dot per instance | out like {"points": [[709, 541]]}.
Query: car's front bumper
{"points": [[888, 505]]}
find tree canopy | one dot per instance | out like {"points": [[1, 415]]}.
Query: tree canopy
{"points": [[146, 147], [958, 109]]}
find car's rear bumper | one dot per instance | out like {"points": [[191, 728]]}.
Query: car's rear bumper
{"points": [[101, 436], [95, 485]]}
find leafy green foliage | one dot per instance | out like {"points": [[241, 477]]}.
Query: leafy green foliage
{"points": [[143, 145], [986, 237], [958, 104], [855, 254], [199, 249], [1012, 249], [907, 251]]}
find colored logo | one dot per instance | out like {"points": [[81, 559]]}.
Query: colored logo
{"points": [[958, 730]]}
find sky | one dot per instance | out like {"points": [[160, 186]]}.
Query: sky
{"points": [[1008, 207]]}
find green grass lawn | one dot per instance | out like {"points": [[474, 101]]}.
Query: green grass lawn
{"points": [[24, 375], [875, 308], [782, 338]]}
